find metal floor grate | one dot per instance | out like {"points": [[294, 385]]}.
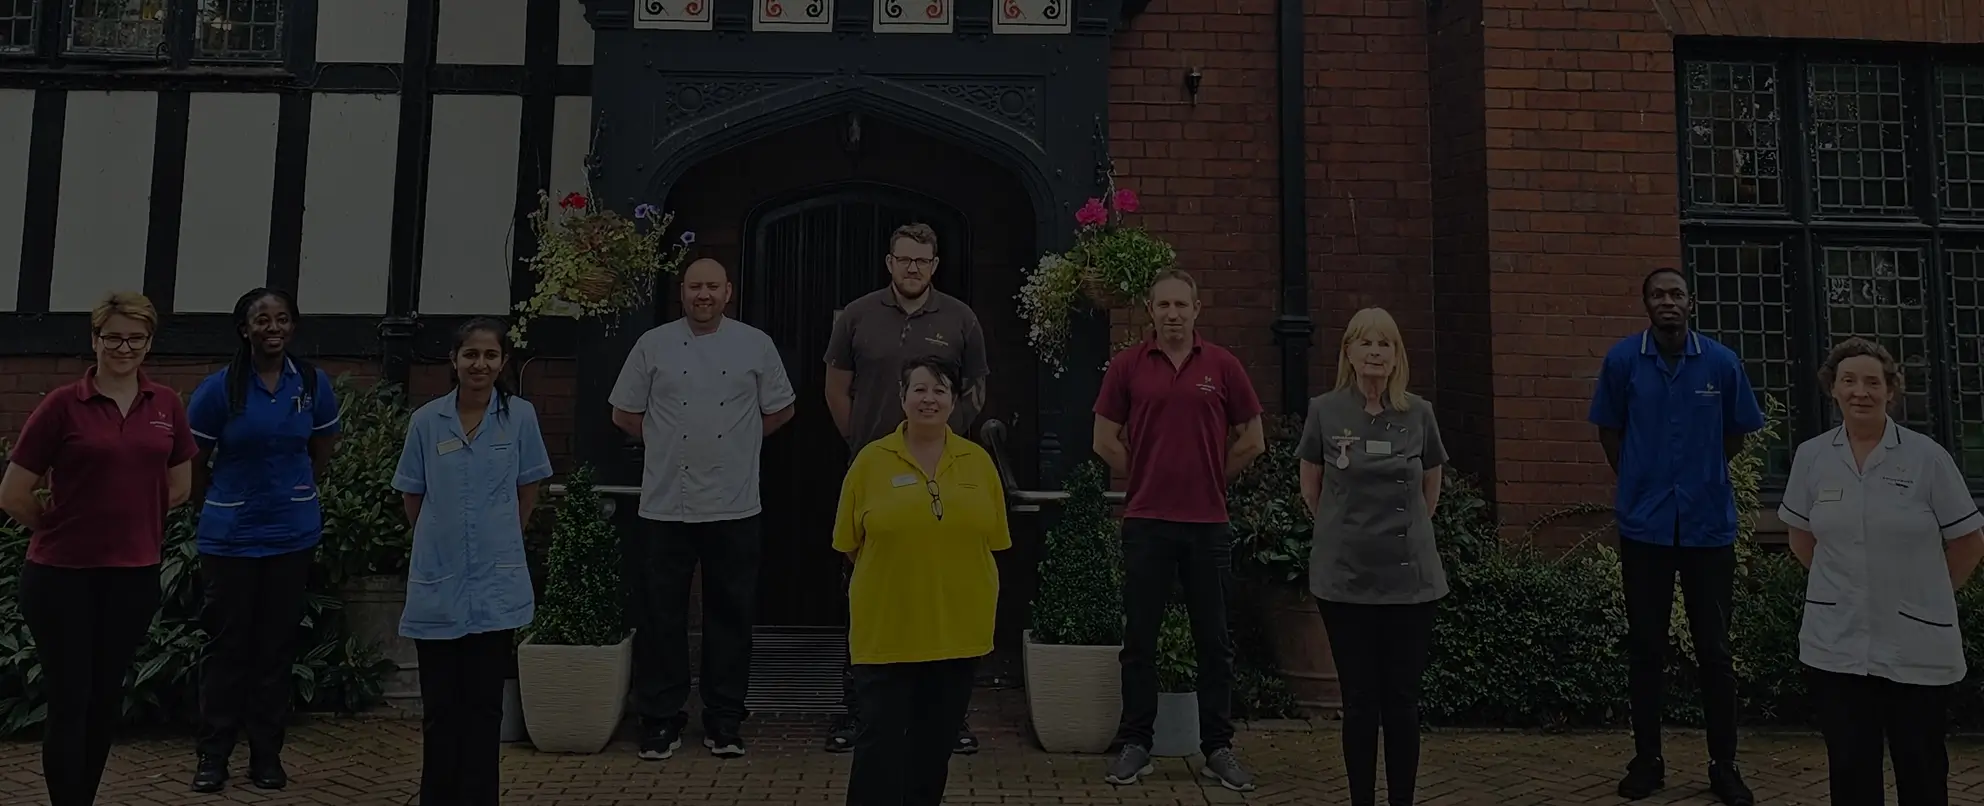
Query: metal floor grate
{"points": [[797, 670]]}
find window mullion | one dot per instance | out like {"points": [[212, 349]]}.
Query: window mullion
{"points": [[182, 25], [50, 25], [1806, 286]]}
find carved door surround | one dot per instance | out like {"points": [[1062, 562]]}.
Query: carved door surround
{"points": [[665, 100]]}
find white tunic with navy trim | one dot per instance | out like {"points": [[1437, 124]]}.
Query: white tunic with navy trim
{"points": [[1878, 601]]}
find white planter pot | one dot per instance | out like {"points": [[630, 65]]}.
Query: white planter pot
{"points": [[1074, 695], [1176, 732], [574, 696]]}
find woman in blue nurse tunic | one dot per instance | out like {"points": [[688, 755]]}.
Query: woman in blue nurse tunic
{"points": [[1881, 516], [469, 475]]}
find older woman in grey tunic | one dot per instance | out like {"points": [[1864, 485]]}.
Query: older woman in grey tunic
{"points": [[1883, 519], [1371, 458]]}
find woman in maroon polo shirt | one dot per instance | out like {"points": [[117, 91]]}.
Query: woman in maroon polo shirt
{"points": [[116, 453]]}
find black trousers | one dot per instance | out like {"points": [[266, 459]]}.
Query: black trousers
{"points": [[729, 552], [1380, 653], [252, 615], [87, 624], [1857, 713], [910, 716], [1707, 575], [461, 725], [1158, 556]]}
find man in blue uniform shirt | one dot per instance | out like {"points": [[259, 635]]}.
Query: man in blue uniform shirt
{"points": [[1672, 408]]}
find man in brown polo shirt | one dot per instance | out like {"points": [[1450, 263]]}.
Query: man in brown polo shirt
{"points": [[872, 338], [1179, 416]]}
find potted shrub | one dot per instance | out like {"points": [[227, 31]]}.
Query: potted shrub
{"points": [[1272, 533], [363, 554], [577, 655], [1175, 734], [1073, 672]]}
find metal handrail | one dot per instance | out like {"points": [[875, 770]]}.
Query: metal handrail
{"points": [[992, 435]]}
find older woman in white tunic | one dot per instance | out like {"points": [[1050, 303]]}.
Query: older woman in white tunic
{"points": [[1883, 519]]}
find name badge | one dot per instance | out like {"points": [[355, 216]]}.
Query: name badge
{"points": [[1378, 447], [1829, 495], [448, 446], [903, 480]]}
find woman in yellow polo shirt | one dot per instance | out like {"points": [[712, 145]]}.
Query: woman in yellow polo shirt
{"points": [[920, 514]]}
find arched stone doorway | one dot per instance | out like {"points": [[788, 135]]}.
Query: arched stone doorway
{"points": [[802, 217]]}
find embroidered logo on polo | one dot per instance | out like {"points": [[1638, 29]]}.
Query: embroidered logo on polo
{"points": [[1708, 390], [1206, 385], [937, 339]]}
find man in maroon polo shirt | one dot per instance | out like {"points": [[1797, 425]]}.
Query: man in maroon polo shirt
{"points": [[1177, 414]]}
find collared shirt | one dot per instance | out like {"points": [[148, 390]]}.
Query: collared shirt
{"points": [[1373, 534], [262, 496], [1674, 415], [703, 400], [1175, 423], [106, 472], [1878, 599], [873, 337], [925, 587], [468, 573]]}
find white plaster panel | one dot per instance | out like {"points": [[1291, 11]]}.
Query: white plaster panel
{"points": [[16, 128], [574, 34], [471, 201], [104, 215], [361, 31], [230, 180], [483, 31], [348, 204]]}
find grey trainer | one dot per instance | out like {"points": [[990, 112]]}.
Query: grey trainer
{"points": [[1224, 765], [1131, 763]]}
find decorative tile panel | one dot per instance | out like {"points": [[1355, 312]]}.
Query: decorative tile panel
{"points": [[1033, 16], [793, 15], [673, 15], [913, 16]]}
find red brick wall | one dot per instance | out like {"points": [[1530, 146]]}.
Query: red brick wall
{"points": [[548, 383], [1207, 171]]}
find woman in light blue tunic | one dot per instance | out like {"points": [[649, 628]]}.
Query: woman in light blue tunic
{"points": [[469, 475]]}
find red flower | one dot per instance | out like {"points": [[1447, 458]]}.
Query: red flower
{"points": [[1091, 213], [573, 201], [1126, 201]]}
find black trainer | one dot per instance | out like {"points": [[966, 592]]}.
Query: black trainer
{"points": [[723, 743], [267, 773], [1728, 786], [1645, 775], [660, 740], [840, 737], [967, 743], [210, 773]]}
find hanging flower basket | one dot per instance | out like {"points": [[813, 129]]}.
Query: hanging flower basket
{"points": [[593, 263], [1111, 265]]}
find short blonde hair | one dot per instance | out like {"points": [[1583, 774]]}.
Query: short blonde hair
{"points": [[128, 304], [1375, 323]]}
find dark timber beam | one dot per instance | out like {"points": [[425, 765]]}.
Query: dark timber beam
{"points": [[410, 191], [1293, 328]]}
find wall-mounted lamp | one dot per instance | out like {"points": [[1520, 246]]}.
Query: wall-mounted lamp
{"points": [[850, 136], [1192, 79]]}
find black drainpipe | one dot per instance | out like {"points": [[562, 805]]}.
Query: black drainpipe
{"points": [[1293, 327]]}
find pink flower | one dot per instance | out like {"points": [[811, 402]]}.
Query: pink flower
{"points": [[1126, 201], [1091, 214]]}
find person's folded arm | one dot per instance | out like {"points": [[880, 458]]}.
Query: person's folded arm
{"points": [[17, 496]]}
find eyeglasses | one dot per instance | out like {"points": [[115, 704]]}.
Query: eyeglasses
{"points": [[936, 501], [131, 343], [918, 262]]}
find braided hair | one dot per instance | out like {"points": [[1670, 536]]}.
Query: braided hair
{"points": [[501, 331], [242, 368]]}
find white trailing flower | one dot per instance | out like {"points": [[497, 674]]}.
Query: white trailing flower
{"points": [[1046, 297]]}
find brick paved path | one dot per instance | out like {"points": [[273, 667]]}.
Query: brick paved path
{"points": [[374, 761]]}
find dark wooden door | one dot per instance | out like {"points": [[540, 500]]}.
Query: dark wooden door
{"points": [[806, 256]]}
